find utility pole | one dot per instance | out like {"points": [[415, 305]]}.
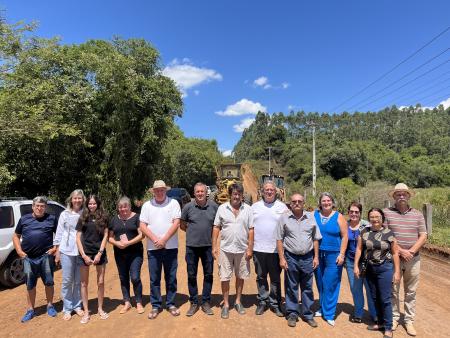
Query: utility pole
{"points": [[270, 153], [314, 159]]}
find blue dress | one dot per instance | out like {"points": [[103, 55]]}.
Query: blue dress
{"points": [[328, 274]]}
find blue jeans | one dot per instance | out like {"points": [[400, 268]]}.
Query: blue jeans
{"points": [[42, 266], [299, 272], [380, 284], [356, 287], [193, 255], [129, 267], [328, 278], [70, 284], [157, 260]]}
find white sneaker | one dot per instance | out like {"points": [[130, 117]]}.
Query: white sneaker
{"points": [[317, 314], [331, 322]]}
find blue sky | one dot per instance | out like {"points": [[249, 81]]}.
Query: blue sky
{"points": [[233, 58]]}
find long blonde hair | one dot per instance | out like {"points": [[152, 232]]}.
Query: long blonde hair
{"points": [[74, 193]]}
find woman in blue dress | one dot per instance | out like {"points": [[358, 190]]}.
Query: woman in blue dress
{"points": [[332, 247]]}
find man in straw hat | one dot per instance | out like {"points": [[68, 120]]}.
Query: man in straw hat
{"points": [[409, 229], [160, 219]]}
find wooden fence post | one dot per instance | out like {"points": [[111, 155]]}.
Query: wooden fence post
{"points": [[427, 210], [387, 203]]}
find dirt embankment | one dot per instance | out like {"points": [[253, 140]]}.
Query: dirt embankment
{"points": [[249, 181]]}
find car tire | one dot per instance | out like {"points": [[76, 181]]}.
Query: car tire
{"points": [[11, 273]]}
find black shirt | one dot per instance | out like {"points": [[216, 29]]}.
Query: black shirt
{"points": [[37, 234], [91, 238], [200, 222], [128, 228]]}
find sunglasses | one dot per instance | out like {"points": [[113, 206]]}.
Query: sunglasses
{"points": [[297, 202]]}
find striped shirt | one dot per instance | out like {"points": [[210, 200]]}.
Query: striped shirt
{"points": [[406, 226]]}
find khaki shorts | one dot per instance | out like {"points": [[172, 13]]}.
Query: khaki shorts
{"points": [[233, 261]]}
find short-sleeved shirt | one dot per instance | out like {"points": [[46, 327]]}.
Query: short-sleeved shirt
{"points": [[129, 228], [200, 221], [159, 218], [36, 233], [91, 237], [353, 236], [298, 235], [406, 226], [377, 244], [265, 220], [234, 230]]}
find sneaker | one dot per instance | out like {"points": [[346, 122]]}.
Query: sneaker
{"points": [[394, 325], [277, 311], [331, 322], [260, 309], [28, 316], [410, 329], [225, 312], [318, 314], [292, 321], [206, 308], [51, 311], [192, 310], [311, 322]]}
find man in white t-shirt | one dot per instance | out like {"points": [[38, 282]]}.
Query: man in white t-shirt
{"points": [[160, 219], [266, 214]]}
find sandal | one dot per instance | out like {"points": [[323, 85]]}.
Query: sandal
{"points": [[174, 311], [67, 316], [125, 309], [103, 315], [375, 327], [140, 308], [85, 319], [154, 313], [79, 312]]}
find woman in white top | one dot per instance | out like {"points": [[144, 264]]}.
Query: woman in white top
{"points": [[65, 240]]}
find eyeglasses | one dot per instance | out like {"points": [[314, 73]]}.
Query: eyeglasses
{"points": [[297, 202], [353, 212]]}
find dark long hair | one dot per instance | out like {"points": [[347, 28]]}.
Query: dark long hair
{"points": [[100, 216]]}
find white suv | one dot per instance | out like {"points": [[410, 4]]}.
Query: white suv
{"points": [[11, 209]]}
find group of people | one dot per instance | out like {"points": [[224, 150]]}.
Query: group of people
{"points": [[279, 237]]}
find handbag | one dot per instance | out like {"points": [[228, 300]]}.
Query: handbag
{"points": [[362, 268]]}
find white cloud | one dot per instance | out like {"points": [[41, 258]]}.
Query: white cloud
{"points": [[186, 75], [242, 107], [267, 86], [285, 85], [446, 103], [261, 81], [196, 92], [227, 152], [245, 123]]}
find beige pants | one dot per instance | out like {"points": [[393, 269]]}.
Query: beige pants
{"points": [[409, 271]]}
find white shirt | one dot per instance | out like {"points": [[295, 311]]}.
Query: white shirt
{"points": [[265, 220], [234, 230], [159, 218], [66, 235]]}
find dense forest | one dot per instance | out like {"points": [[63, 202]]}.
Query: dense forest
{"points": [[409, 145], [97, 115]]}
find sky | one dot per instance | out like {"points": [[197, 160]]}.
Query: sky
{"points": [[231, 59]]}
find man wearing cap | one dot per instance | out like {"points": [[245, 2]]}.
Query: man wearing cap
{"points": [[234, 222], [298, 248], [159, 222], [408, 225], [197, 219], [266, 214]]}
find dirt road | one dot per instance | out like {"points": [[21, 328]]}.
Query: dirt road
{"points": [[433, 311]]}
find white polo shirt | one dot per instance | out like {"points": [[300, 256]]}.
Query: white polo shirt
{"points": [[265, 220], [159, 218]]}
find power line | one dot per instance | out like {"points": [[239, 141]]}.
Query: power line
{"points": [[392, 69], [394, 82]]}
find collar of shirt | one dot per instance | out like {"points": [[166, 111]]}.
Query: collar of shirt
{"points": [[399, 212], [228, 205], [200, 206], [304, 216], [156, 204]]}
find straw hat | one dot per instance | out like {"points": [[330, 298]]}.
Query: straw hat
{"points": [[401, 187], [159, 184]]}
